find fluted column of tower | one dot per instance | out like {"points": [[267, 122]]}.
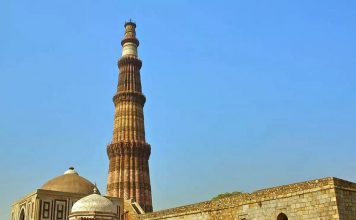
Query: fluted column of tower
{"points": [[129, 175]]}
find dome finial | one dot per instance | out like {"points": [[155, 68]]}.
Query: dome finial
{"points": [[130, 22], [95, 190], [71, 170]]}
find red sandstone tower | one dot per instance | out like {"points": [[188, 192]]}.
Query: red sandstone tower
{"points": [[129, 175]]}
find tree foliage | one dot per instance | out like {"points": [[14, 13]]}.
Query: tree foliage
{"points": [[227, 194]]}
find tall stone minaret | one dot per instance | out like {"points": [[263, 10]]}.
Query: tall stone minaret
{"points": [[129, 175]]}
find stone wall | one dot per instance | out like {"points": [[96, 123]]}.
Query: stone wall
{"points": [[346, 199], [327, 198]]}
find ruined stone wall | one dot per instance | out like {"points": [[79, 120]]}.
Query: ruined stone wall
{"points": [[346, 199], [316, 199], [309, 205]]}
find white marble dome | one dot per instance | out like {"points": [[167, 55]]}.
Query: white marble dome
{"points": [[94, 203]]}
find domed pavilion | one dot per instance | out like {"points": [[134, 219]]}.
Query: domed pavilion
{"points": [[55, 198], [94, 207]]}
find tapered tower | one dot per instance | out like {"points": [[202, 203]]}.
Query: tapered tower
{"points": [[129, 175]]}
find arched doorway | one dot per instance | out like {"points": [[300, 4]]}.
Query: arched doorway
{"points": [[282, 216], [22, 214]]}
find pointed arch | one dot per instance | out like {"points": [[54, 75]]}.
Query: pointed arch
{"points": [[22, 214], [282, 216]]}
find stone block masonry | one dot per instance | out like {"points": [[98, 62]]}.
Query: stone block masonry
{"points": [[321, 199]]}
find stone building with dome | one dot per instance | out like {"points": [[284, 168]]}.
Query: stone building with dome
{"points": [[55, 198], [95, 207]]}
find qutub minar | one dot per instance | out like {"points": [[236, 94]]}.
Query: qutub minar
{"points": [[72, 197], [129, 175]]}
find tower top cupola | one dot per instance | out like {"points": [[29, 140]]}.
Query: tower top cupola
{"points": [[130, 42]]}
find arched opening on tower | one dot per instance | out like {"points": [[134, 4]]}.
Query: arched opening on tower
{"points": [[282, 216], [22, 214]]}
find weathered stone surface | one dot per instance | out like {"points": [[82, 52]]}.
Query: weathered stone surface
{"points": [[328, 198]]}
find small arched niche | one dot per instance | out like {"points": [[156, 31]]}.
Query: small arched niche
{"points": [[282, 216], [22, 214]]}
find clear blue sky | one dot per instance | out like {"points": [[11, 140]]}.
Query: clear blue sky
{"points": [[241, 95]]}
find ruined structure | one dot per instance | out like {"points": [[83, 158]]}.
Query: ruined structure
{"points": [[128, 183], [327, 198], [128, 152]]}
